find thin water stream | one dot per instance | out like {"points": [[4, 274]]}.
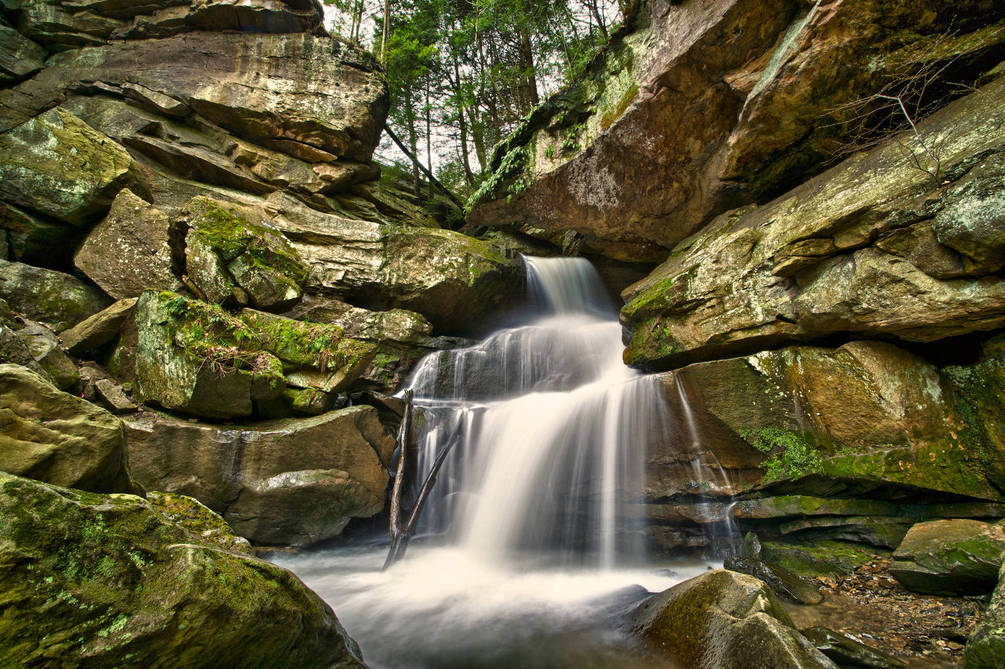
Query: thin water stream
{"points": [[533, 537]]}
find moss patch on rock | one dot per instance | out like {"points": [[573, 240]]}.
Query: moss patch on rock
{"points": [[107, 580], [257, 259]]}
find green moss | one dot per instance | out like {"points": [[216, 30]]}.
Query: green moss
{"points": [[209, 333], [793, 455], [309, 344], [612, 115], [231, 235], [651, 301], [821, 558]]}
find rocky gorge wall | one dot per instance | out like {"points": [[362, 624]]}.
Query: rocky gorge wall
{"points": [[206, 289]]}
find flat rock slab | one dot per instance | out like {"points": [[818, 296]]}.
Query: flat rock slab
{"points": [[950, 557]]}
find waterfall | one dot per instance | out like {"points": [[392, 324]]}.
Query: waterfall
{"points": [[533, 536], [548, 429]]}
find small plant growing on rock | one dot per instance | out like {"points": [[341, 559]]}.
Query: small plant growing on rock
{"points": [[792, 455]]}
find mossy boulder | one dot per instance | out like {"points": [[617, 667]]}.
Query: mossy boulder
{"points": [[58, 166], [294, 481], [187, 359], [109, 580], [129, 251], [402, 337], [314, 355], [723, 619], [835, 559], [196, 357], [986, 646], [253, 263], [57, 437], [198, 519], [950, 557], [54, 298]]}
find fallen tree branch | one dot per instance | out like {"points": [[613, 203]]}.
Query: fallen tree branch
{"points": [[422, 168], [401, 534]]}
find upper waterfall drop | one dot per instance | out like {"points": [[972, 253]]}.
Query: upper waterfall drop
{"points": [[549, 429]]}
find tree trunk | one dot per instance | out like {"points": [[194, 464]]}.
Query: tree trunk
{"points": [[526, 53], [400, 532], [465, 160], [383, 33], [413, 141]]}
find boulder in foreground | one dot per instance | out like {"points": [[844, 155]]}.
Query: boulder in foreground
{"points": [[723, 620], [108, 580]]}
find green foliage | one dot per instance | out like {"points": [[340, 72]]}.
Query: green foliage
{"points": [[464, 75], [793, 455]]}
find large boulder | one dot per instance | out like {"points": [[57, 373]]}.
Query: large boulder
{"points": [[63, 24], [950, 557], [129, 251], [57, 437], [188, 369], [698, 107], [880, 246], [986, 646], [115, 580], [312, 97], [191, 356], [54, 298], [723, 619], [296, 481], [59, 167]]}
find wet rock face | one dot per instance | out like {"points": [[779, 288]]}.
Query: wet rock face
{"points": [[123, 581], [900, 437], [296, 481], [875, 247], [703, 106], [852, 420]]}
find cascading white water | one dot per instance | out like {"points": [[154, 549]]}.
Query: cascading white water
{"points": [[543, 484], [552, 428]]}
